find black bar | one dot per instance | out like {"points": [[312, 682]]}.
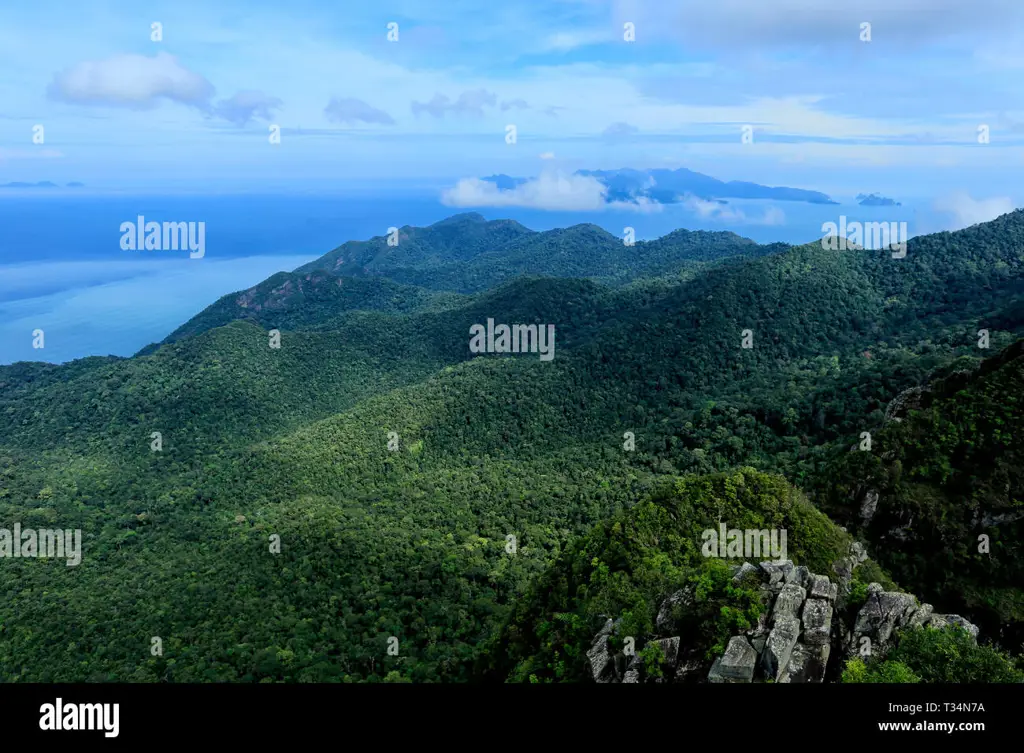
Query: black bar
{"points": [[357, 715]]}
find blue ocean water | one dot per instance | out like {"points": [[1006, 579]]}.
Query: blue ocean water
{"points": [[62, 269]]}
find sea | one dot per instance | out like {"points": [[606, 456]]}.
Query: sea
{"points": [[64, 274]]}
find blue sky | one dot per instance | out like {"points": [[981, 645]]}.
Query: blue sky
{"points": [[898, 115]]}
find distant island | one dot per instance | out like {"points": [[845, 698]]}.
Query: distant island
{"points": [[675, 186], [41, 184], [874, 200]]}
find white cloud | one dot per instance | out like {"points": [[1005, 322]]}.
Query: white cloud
{"points": [[547, 155], [551, 190], [133, 81], [712, 210], [965, 211]]}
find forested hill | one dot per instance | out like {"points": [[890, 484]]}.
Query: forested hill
{"points": [[429, 268], [941, 490], [466, 253], [394, 462]]}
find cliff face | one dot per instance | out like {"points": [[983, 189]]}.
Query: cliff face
{"points": [[800, 631]]}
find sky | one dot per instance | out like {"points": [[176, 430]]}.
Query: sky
{"points": [[916, 99]]}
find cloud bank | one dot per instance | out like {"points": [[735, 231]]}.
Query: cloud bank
{"points": [[963, 211], [553, 191]]}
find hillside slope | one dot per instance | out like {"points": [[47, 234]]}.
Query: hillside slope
{"points": [[394, 463], [940, 494]]}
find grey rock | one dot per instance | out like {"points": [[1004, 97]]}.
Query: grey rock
{"points": [[920, 616], [868, 506], [663, 621], [600, 660], [772, 573], [632, 676], [670, 648], [606, 630], [758, 643], [736, 664], [858, 553], [817, 621], [908, 400], [780, 644], [798, 657], [998, 520], [788, 604], [806, 664], [844, 572], [882, 613], [715, 674], [743, 571], [821, 588], [940, 621], [798, 576]]}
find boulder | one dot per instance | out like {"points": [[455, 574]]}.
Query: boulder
{"points": [[600, 660], [788, 603], [921, 615], [806, 664], [940, 621], [817, 621], [821, 588], [775, 572], [868, 506], [736, 664], [858, 553], [670, 648], [882, 613], [744, 570], [798, 576], [682, 597], [780, 644]]}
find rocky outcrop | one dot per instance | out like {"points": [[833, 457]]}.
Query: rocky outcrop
{"points": [[794, 636], [901, 405], [885, 612], [868, 506], [844, 568]]}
